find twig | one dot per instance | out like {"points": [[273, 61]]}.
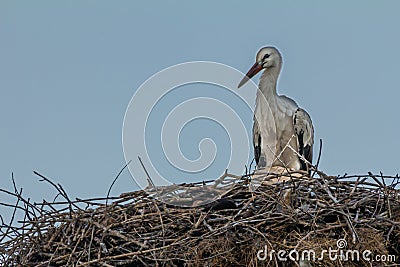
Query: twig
{"points": [[115, 179]]}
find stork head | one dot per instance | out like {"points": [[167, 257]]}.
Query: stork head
{"points": [[267, 58]]}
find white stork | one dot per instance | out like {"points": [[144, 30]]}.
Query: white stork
{"points": [[292, 130]]}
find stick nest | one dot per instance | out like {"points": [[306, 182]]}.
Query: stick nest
{"points": [[288, 211]]}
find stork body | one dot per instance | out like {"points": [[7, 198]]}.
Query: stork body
{"points": [[283, 134]]}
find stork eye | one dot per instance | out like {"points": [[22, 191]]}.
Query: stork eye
{"points": [[266, 56]]}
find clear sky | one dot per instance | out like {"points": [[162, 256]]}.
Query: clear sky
{"points": [[68, 70]]}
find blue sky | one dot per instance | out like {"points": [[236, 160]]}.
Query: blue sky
{"points": [[69, 69]]}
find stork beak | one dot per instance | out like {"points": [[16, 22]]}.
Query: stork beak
{"points": [[252, 71]]}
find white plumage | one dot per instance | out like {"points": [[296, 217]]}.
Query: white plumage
{"points": [[283, 134]]}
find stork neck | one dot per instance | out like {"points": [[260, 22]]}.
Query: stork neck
{"points": [[268, 82]]}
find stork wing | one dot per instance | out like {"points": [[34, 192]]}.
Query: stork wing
{"points": [[304, 131], [256, 142]]}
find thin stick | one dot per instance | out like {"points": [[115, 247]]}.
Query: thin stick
{"points": [[150, 182], [115, 179]]}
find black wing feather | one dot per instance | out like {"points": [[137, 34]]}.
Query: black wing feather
{"points": [[305, 136]]}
